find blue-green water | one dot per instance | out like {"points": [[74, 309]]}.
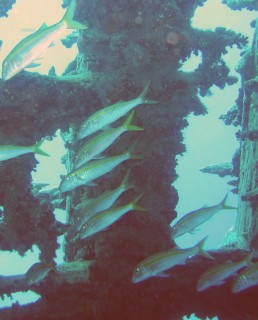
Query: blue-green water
{"points": [[203, 145]]}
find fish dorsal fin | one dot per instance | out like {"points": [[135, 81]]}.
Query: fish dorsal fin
{"points": [[31, 30], [43, 26]]}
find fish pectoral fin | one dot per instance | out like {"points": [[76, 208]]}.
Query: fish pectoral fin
{"points": [[108, 127], [193, 231], [221, 282], [91, 184], [33, 65], [98, 157], [163, 275]]}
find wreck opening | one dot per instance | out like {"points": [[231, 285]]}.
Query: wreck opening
{"points": [[118, 58]]}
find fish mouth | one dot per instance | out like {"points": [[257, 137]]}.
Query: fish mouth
{"points": [[7, 76]]}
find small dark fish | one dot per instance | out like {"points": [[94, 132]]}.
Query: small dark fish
{"points": [[38, 272]]}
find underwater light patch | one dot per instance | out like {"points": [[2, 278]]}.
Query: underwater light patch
{"points": [[12, 263], [49, 169], [1, 214], [214, 14], [193, 317], [192, 63], [20, 297]]}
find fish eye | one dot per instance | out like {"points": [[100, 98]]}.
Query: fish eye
{"points": [[137, 270]]}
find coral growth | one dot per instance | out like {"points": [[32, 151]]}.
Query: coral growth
{"points": [[127, 45], [5, 6], [241, 4]]}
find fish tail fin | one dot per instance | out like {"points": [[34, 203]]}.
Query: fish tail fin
{"points": [[134, 204], [224, 205], [143, 94], [38, 150], [248, 259], [127, 124], [202, 251], [125, 183], [131, 152], [68, 18], [52, 265]]}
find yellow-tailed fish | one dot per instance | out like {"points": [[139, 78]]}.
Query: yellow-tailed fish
{"points": [[8, 151], [104, 219], [110, 114], [246, 279], [101, 203], [217, 275], [101, 142], [93, 170], [30, 48], [38, 272], [195, 218], [156, 264]]}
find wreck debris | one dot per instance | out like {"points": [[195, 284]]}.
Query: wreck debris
{"points": [[121, 55]]}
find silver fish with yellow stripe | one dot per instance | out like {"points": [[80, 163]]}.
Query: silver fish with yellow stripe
{"points": [[93, 170], [195, 218], [246, 279], [101, 203], [104, 219], [38, 272], [30, 48], [110, 114], [10, 151], [157, 263], [217, 275], [101, 142]]}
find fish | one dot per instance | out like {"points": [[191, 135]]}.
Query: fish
{"points": [[29, 49], [222, 169], [110, 114], [104, 219], [217, 275], [101, 203], [246, 279], [101, 142], [195, 218], [38, 272], [9, 151], [93, 170], [157, 263]]}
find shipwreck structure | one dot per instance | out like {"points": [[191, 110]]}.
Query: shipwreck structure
{"points": [[127, 45]]}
